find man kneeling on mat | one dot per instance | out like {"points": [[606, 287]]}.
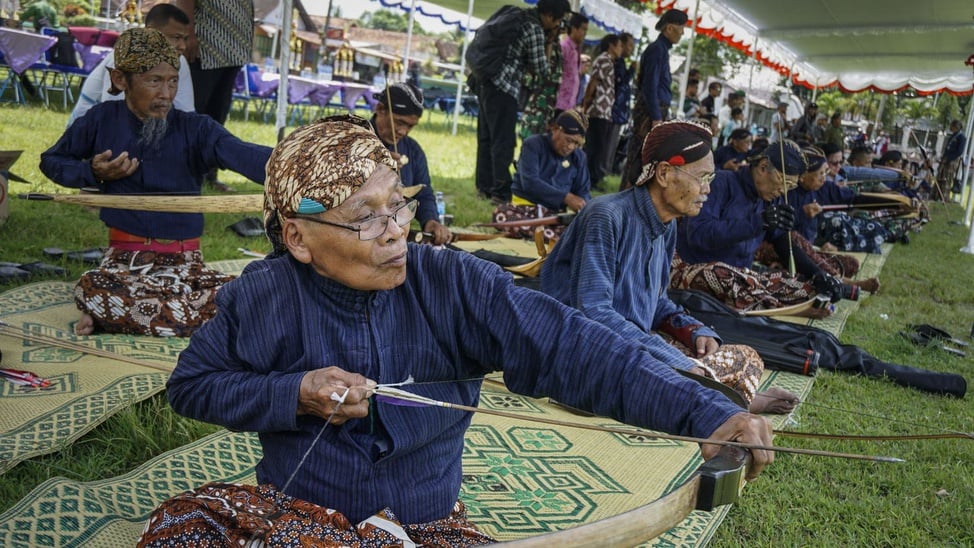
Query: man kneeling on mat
{"points": [[152, 280]]}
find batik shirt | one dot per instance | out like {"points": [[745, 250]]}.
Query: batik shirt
{"points": [[225, 30], [192, 145], [613, 264], [454, 318], [543, 177], [603, 70]]}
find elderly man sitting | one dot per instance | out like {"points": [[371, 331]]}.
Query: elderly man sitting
{"points": [[551, 175], [303, 339], [613, 264], [152, 281]]}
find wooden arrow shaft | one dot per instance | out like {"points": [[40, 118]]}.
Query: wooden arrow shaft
{"points": [[176, 204]]}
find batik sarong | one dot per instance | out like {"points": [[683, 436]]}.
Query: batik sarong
{"points": [[741, 288], [737, 366], [842, 266], [224, 514], [510, 212], [149, 293]]}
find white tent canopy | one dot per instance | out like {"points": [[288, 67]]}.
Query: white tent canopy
{"points": [[883, 45]]}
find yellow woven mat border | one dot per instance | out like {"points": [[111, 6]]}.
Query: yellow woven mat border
{"points": [[86, 390], [522, 479]]}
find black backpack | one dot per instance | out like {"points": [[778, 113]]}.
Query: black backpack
{"points": [[488, 50]]}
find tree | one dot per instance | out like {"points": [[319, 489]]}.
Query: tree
{"points": [[712, 57], [388, 20]]}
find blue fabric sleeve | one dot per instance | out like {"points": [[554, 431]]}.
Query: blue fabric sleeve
{"points": [[593, 289]]}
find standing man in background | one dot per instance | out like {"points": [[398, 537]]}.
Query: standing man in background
{"points": [[654, 97], [950, 163], [220, 45], [621, 110], [498, 96], [571, 58]]}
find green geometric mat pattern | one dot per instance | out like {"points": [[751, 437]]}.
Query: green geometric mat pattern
{"points": [[85, 389], [520, 479]]}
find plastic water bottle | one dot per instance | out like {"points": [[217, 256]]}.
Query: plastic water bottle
{"points": [[441, 207], [269, 65]]}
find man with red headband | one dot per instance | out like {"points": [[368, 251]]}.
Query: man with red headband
{"points": [[613, 264]]}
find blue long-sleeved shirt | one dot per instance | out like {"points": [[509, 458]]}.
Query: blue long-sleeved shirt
{"points": [[455, 317], [828, 193], [416, 172], [542, 178], [727, 152], [655, 77], [613, 264], [193, 144], [955, 146], [729, 227]]}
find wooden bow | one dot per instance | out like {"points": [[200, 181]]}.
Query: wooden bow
{"points": [[154, 202], [716, 482]]}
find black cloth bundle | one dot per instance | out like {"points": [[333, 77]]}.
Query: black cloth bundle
{"points": [[794, 348]]}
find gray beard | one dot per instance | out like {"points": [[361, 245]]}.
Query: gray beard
{"points": [[153, 130]]}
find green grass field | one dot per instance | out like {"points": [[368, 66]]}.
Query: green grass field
{"points": [[926, 501]]}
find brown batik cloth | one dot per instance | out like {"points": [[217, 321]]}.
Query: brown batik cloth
{"points": [[224, 514], [736, 366], [510, 212], [741, 288], [835, 264], [149, 293]]}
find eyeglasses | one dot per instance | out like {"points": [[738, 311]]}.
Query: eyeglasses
{"points": [[376, 226], [704, 180], [791, 181]]}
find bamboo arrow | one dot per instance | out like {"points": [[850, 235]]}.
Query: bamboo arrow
{"points": [[395, 396], [154, 202]]}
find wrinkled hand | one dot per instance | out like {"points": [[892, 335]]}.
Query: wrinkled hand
{"points": [[104, 168], [744, 428], [828, 285], [317, 387], [781, 216], [706, 346], [441, 234], [812, 209], [574, 202]]}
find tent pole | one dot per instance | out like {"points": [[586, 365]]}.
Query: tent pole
{"points": [[815, 90], [409, 37], [966, 169], [684, 78], [879, 116], [462, 78], [750, 82], [282, 94]]}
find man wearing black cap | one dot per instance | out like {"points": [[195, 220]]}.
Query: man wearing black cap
{"points": [[805, 127], [717, 248], [654, 97], [397, 111], [552, 175]]}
